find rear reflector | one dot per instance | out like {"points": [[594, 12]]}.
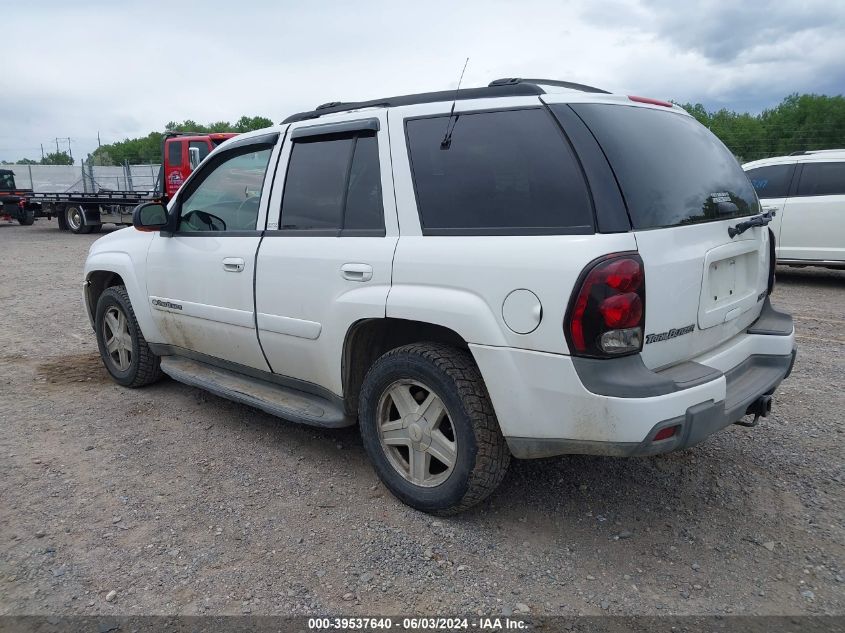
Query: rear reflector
{"points": [[649, 100], [665, 434]]}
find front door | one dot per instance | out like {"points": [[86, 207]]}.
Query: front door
{"points": [[200, 279]]}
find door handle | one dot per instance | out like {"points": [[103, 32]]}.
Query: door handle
{"points": [[233, 264], [357, 272]]}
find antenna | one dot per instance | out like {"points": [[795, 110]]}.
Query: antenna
{"points": [[446, 143]]}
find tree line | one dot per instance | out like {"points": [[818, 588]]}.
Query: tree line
{"points": [[799, 122]]}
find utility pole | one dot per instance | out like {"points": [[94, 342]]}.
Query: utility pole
{"points": [[42, 151], [98, 139]]}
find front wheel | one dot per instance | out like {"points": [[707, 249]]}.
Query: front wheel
{"points": [[430, 430], [123, 348]]}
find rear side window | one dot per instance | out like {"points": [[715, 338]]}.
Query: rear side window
{"points": [[174, 153], [822, 179], [672, 170], [506, 172], [333, 183], [771, 181]]}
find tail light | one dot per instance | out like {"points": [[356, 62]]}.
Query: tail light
{"points": [[607, 313]]}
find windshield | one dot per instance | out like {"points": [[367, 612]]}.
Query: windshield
{"points": [[672, 170]]}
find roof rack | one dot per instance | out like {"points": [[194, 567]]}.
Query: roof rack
{"points": [[802, 152], [511, 81], [510, 87]]}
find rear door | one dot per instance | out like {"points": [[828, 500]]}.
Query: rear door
{"points": [[813, 225], [326, 257], [683, 190], [772, 184]]}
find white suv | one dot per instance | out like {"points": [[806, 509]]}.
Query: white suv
{"points": [[806, 190], [529, 269]]}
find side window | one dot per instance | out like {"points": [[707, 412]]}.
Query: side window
{"points": [[364, 209], [771, 181], [333, 183], [202, 146], [822, 179], [174, 153], [503, 172], [228, 196]]}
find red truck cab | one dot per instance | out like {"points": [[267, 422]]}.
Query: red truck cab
{"points": [[183, 152]]}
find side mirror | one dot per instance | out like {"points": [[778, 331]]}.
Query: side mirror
{"points": [[150, 216], [194, 157]]}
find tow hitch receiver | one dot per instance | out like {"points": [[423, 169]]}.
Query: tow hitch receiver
{"points": [[760, 408]]}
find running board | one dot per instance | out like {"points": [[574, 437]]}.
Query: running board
{"points": [[278, 400]]}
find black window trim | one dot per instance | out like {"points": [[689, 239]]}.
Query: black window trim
{"points": [[800, 172], [510, 231], [331, 130], [245, 146]]}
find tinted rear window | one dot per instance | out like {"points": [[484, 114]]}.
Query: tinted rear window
{"points": [[504, 172], [672, 170], [771, 181], [822, 179], [174, 153]]}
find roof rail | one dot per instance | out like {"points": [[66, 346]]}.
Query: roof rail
{"points": [[522, 88], [508, 87], [512, 81]]}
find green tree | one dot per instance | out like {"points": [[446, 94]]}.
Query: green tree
{"points": [[26, 161], [57, 158], [799, 122]]}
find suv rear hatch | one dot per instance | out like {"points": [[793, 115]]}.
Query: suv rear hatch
{"points": [[683, 189]]}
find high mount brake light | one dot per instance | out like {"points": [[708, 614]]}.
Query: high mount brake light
{"points": [[650, 101], [607, 314]]}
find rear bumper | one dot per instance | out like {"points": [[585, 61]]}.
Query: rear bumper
{"points": [[550, 404]]}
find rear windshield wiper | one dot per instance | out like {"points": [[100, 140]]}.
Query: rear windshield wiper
{"points": [[758, 220]]}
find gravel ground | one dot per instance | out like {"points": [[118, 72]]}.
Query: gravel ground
{"points": [[168, 500]]}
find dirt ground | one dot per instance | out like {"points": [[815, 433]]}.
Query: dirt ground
{"points": [[183, 503]]}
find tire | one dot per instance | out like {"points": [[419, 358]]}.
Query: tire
{"points": [[75, 220], [141, 366], [475, 444], [28, 218], [60, 218]]}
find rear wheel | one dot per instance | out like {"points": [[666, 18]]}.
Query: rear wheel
{"points": [[430, 430], [75, 219], [60, 217], [123, 348]]}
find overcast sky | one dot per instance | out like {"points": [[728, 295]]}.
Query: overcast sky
{"points": [[124, 68]]}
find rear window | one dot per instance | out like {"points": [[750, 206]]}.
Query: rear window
{"points": [[822, 179], [505, 172], [174, 153], [672, 170], [771, 181]]}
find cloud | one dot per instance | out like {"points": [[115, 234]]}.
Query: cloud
{"points": [[123, 69]]}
